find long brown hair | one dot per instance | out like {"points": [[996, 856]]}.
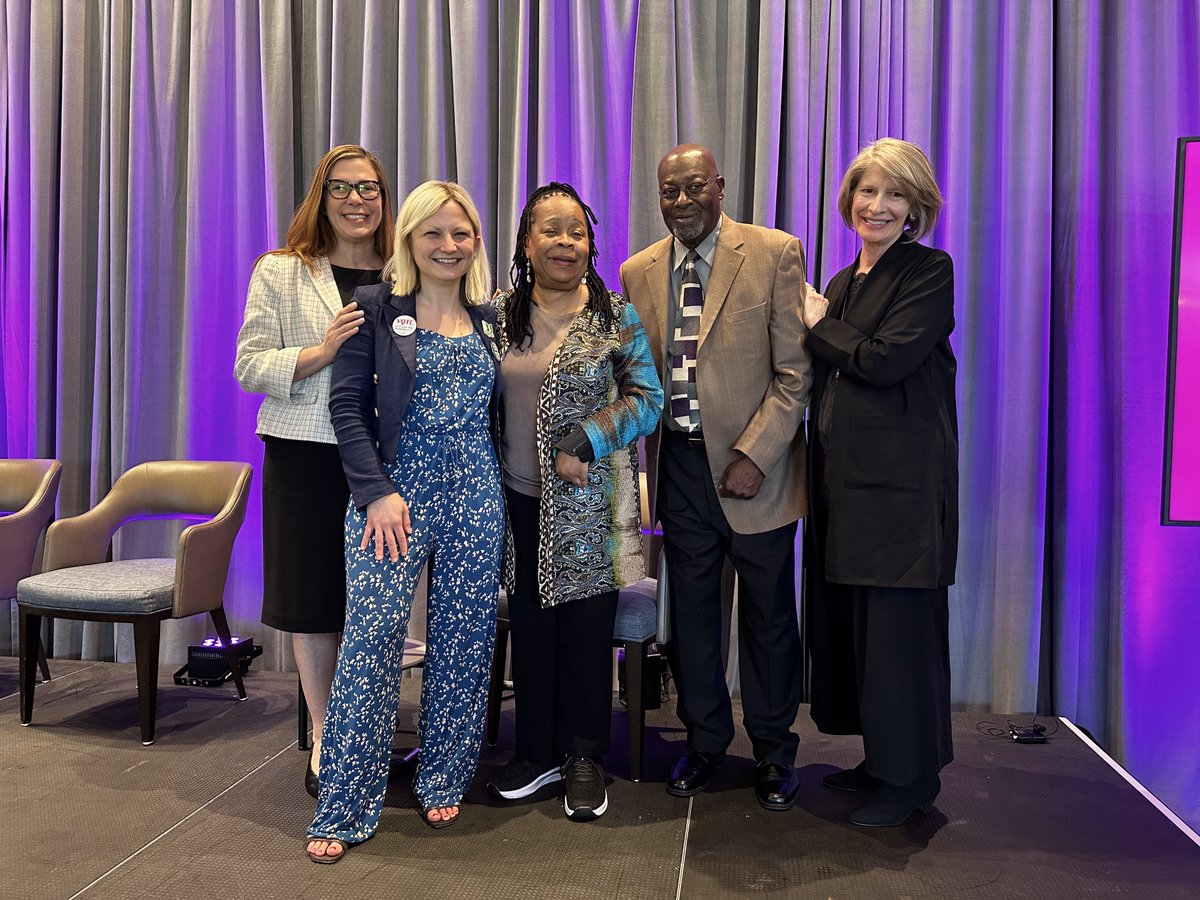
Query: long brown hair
{"points": [[310, 236]]}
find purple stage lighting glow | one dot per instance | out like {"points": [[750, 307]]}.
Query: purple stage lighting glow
{"points": [[216, 642], [1181, 458]]}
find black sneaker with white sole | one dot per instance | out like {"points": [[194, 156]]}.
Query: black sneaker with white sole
{"points": [[520, 778], [584, 798]]}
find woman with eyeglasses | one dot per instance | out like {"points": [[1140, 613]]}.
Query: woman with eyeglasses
{"points": [[299, 311], [413, 402]]}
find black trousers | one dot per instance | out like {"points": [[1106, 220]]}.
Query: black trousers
{"points": [[881, 668], [561, 657], [697, 539]]}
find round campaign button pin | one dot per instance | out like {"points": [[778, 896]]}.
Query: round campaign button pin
{"points": [[404, 326]]}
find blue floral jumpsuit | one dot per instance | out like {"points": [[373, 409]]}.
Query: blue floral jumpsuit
{"points": [[447, 471]]}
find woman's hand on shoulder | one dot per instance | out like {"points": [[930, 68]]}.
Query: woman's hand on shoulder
{"points": [[345, 324], [814, 306], [389, 525], [313, 359]]}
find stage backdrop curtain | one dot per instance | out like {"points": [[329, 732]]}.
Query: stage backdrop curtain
{"points": [[151, 151]]}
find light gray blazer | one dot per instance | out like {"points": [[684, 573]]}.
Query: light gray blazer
{"points": [[288, 308]]}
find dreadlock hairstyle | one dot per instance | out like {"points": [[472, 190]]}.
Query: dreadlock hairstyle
{"points": [[516, 325]]}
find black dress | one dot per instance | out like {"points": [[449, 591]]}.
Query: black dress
{"points": [[304, 507]]}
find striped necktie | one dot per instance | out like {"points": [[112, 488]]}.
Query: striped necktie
{"points": [[685, 408]]}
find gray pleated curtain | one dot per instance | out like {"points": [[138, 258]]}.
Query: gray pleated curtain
{"points": [[151, 151]]}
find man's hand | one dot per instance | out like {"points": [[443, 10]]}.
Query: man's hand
{"points": [[741, 480]]}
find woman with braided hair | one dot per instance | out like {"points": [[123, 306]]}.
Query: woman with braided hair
{"points": [[579, 389]]}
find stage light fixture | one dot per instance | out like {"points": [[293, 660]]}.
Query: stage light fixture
{"points": [[206, 665]]}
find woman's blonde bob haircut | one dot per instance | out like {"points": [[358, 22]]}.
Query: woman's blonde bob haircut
{"points": [[906, 165], [423, 202], [310, 236]]}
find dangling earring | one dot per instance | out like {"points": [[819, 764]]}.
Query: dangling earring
{"points": [[528, 273], [583, 280]]}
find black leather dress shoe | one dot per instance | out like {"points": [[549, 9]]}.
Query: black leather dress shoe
{"points": [[892, 804], [776, 786], [855, 780], [693, 772]]}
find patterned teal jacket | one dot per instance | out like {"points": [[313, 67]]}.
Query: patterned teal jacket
{"points": [[590, 539]]}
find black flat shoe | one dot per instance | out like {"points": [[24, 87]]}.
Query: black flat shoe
{"points": [[438, 823], [892, 804], [325, 859], [855, 781], [693, 772], [311, 784], [776, 786]]}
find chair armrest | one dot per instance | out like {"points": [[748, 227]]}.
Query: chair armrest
{"points": [[21, 531], [82, 540], [203, 553]]}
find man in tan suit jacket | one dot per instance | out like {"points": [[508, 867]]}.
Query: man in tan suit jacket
{"points": [[727, 476]]}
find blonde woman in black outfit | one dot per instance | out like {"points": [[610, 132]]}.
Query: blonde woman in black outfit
{"points": [[883, 534]]}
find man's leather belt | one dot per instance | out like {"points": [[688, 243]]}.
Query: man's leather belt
{"points": [[691, 438]]}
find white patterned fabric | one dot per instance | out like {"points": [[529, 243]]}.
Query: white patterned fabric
{"points": [[447, 470], [288, 308]]}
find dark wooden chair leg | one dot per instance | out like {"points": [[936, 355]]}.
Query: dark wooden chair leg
{"points": [[635, 674], [29, 630], [43, 665], [496, 685], [301, 715], [221, 624], [146, 630]]}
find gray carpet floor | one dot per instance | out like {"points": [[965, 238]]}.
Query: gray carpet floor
{"points": [[216, 807]]}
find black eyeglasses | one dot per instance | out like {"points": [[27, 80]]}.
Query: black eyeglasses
{"points": [[340, 190], [693, 190]]}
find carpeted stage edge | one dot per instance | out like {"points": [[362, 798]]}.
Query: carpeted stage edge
{"points": [[217, 808]]}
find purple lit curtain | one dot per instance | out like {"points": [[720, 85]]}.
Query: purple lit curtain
{"points": [[151, 151]]}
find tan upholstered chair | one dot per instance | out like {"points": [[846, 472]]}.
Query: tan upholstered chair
{"points": [[642, 620], [77, 583], [28, 489]]}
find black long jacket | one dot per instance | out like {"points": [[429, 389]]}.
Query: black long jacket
{"points": [[885, 495]]}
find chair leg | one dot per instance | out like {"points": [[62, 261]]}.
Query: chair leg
{"points": [[301, 715], [221, 624], [635, 673], [496, 684], [146, 630], [29, 630], [42, 663]]}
